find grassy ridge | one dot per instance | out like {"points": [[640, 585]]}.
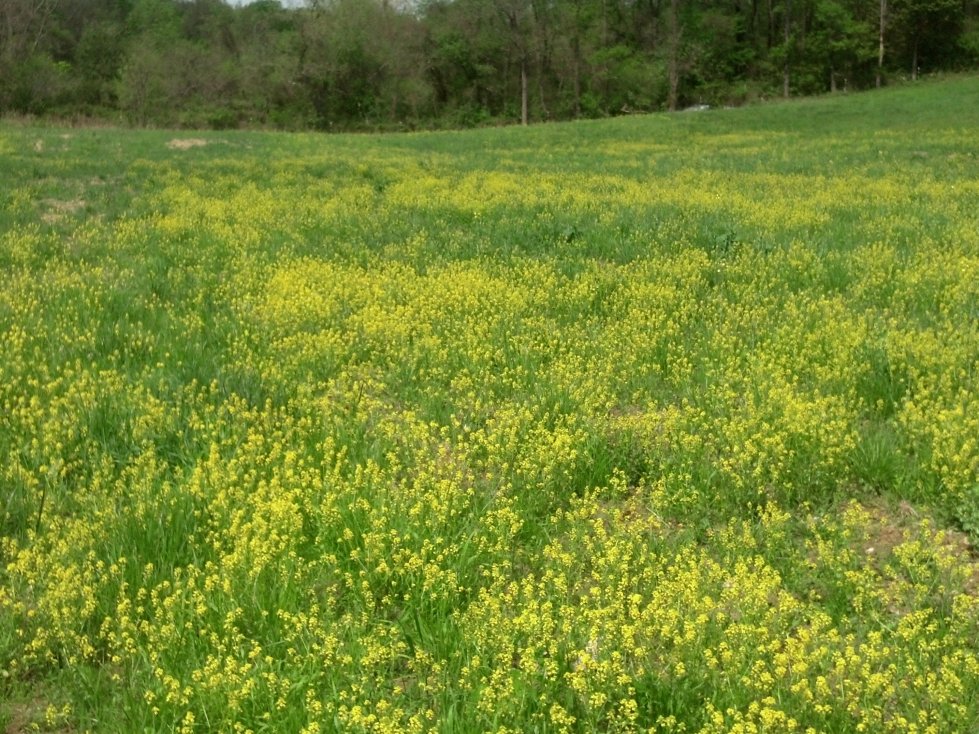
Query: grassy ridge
{"points": [[656, 423]]}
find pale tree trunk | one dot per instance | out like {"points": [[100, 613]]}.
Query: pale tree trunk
{"points": [[880, 47], [545, 112], [543, 62], [604, 36], [511, 14], [576, 57], [46, 12], [914, 60], [524, 116], [25, 25], [770, 35], [785, 67], [674, 60]]}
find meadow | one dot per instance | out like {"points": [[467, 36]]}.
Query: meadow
{"points": [[661, 423]]}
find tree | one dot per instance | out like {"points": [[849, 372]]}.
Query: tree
{"points": [[927, 25], [355, 63], [673, 35], [837, 40], [25, 64], [267, 57], [787, 47], [880, 48], [517, 21]]}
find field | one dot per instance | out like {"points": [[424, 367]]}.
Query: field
{"points": [[663, 423]]}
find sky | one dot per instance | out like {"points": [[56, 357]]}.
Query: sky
{"points": [[286, 3]]}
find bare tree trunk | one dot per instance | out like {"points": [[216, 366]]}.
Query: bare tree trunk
{"points": [[605, 44], [770, 35], [524, 117], [545, 113], [576, 60], [543, 61], [24, 26], [519, 43], [45, 11], [914, 60], [674, 59], [880, 48], [832, 80], [785, 67], [507, 82], [604, 24]]}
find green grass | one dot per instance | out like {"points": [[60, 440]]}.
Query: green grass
{"points": [[654, 423]]}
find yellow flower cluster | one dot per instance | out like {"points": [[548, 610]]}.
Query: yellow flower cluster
{"points": [[492, 433]]}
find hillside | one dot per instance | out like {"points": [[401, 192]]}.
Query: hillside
{"points": [[660, 423]]}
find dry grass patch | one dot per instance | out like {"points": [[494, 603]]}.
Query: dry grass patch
{"points": [[59, 209], [186, 143]]}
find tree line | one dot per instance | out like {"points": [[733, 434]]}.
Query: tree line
{"points": [[345, 64]]}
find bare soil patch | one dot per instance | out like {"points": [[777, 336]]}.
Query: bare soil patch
{"points": [[186, 143], [58, 209], [892, 526]]}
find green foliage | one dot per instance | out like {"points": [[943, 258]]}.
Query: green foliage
{"points": [[371, 64]]}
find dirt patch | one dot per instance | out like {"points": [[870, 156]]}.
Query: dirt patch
{"points": [[35, 715], [69, 206], [186, 143], [24, 717], [891, 526], [58, 209], [960, 544]]}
